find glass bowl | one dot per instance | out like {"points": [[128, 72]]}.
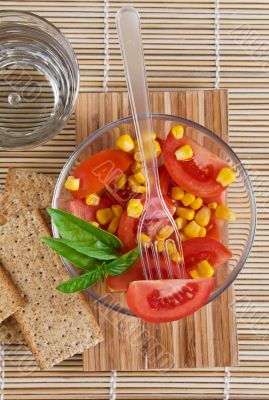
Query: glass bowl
{"points": [[238, 235], [39, 78]]}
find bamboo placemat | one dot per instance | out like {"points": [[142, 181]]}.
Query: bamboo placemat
{"points": [[189, 44]]}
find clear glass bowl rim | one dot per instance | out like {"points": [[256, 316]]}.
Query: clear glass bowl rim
{"points": [[232, 276], [36, 18]]}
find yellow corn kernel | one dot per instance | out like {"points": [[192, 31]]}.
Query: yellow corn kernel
{"points": [[117, 210], [205, 269], [177, 193], [114, 224], [140, 177], [198, 202], [125, 143], [157, 147], [180, 223], [72, 183], [121, 182], [160, 245], [225, 176], [92, 199], [136, 167], [194, 274], [224, 212], [165, 232], [136, 147], [175, 255], [132, 181], [134, 208], [95, 223], [202, 232], [138, 189], [178, 131], [182, 236], [154, 135], [192, 229], [184, 153], [137, 156], [202, 217], [186, 213], [144, 239], [212, 205], [104, 216], [188, 199]]}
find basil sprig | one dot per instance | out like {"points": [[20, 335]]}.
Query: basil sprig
{"points": [[89, 248]]}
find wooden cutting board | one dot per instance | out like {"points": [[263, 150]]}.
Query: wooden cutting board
{"points": [[208, 338]]}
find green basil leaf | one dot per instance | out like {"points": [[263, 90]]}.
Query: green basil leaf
{"points": [[122, 263], [79, 283], [80, 260], [90, 251], [74, 228]]}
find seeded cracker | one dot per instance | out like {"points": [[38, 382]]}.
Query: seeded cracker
{"points": [[55, 325]]}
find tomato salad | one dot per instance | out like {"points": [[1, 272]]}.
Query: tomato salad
{"points": [[108, 190]]}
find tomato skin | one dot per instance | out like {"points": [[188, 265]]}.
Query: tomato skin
{"points": [[166, 300], [214, 229], [198, 249], [127, 231], [99, 170], [165, 180], [197, 175], [79, 208]]}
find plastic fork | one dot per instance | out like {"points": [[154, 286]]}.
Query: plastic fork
{"points": [[156, 221]]}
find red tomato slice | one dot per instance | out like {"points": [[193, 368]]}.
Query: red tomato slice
{"points": [[127, 231], [79, 208], [197, 175], [198, 249], [121, 282], [100, 170], [214, 229], [165, 180], [169, 299]]}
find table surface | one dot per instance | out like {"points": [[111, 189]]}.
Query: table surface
{"points": [[188, 44]]}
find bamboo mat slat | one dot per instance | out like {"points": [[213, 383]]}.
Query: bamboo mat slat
{"points": [[179, 31]]}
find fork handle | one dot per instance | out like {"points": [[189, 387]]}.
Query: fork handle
{"points": [[128, 26]]}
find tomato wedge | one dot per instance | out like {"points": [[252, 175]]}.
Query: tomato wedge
{"points": [[197, 175], [79, 208], [169, 299], [165, 180], [198, 249], [99, 170], [214, 229]]}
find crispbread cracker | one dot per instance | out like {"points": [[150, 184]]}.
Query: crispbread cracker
{"points": [[26, 190], [55, 325], [10, 298], [10, 332]]}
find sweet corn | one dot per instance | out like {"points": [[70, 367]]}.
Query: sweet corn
{"points": [[182, 236], [104, 216], [224, 212], [158, 150], [136, 167], [134, 208], [132, 181], [202, 217], [121, 182], [178, 131], [212, 205], [180, 223], [125, 143], [175, 255], [202, 232], [192, 229], [117, 210], [186, 213], [72, 183], [225, 176], [114, 224], [194, 274], [136, 147], [188, 199], [92, 199], [177, 193], [138, 189], [154, 135], [165, 232], [95, 223], [137, 156], [198, 202], [160, 245], [140, 177], [184, 153], [205, 269], [144, 239]]}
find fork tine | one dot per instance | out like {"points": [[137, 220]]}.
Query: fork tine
{"points": [[145, 261], [156, 256], [168, 262]]}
